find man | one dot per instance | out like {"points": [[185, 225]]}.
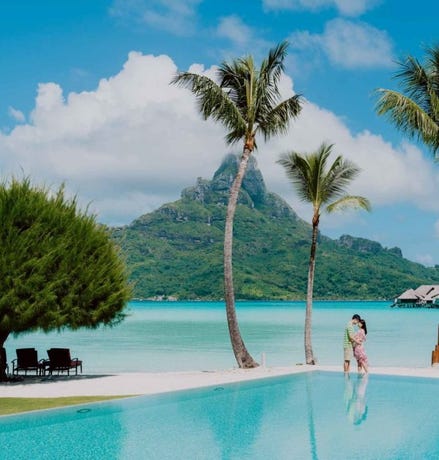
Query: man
{"points": [[348, 350]]}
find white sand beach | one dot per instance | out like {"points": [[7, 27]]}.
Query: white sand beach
{"points": [[154, 383]]}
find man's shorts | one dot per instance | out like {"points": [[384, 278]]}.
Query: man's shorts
{"points": [[348, 353]]}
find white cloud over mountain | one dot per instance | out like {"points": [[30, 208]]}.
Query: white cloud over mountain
{"points": [[135, 141]]}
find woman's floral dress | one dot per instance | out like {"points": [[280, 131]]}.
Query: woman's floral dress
{"points": [[359, 352]]}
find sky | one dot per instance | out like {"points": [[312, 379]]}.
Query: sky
{"points": [[85, 101]]}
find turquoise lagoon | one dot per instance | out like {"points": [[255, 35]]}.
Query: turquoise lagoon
{"points": [[177, 336]]}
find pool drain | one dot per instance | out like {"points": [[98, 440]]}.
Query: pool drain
{"points": [[83, 411]]}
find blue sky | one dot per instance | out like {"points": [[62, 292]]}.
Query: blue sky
{"points": [[85, 100]]}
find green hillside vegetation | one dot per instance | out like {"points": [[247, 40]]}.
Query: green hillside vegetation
{"points": [[176, 251]]}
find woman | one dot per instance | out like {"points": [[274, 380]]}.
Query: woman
{"points": [[359, 352]]}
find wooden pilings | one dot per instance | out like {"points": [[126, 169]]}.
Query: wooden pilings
{"points": [[435, 352]]}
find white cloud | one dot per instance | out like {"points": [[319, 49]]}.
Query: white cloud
{"points": [[233, 28], [436, 229], [348, 44], [136, 141], [357, 44], [345, 7], [387, 172], [241, 37], [78, 73], [425, 259], [174, 16], [17, 115]]}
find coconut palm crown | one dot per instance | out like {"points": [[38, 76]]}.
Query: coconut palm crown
{"points": [[416, 112], [320, 184], [246, 100]]}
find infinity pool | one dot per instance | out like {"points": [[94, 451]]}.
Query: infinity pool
{"points": [[312, 415]]}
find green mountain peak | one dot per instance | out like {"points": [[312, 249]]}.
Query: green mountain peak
{"points": [[176, 251]]}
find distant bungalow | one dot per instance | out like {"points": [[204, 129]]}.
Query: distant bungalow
{"points": [[426, 295]]}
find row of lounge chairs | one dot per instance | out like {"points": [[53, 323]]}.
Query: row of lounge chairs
{"points": [[59, 361]]}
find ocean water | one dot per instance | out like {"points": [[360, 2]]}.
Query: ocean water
{"points": [[177, 336], [312, 415]]}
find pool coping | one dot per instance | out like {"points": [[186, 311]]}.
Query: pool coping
{"points": [[124, 384]]}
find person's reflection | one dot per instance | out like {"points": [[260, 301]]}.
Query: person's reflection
{"points": [[355, 398]]}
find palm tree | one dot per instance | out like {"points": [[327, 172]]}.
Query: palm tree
{"points": [[246, 101], [417, 111], [320, 184]]}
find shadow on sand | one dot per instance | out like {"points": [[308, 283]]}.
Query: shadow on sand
{"points": [[33, 379]]}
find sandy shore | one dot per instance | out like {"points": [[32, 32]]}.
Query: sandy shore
{"points": [[152, 383]]}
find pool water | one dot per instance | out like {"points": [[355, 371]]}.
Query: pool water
{"points": [[311, 415]]}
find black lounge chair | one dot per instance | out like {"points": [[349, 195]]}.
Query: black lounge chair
{"points": [[60, 360], [27, 360], [4, 362]]}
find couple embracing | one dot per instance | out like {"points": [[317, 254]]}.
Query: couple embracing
{"points": [[354, 337]]}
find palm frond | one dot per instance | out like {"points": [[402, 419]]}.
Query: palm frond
{"points": [[433, 60], [278, 119], [349, 201], [418, 80], [416, 110], [272, 67], [341, 173], [212, 101], [435, 107], [415, 81], [233, 78], [410, 117], [267, 90], [236, 135], [298, 171]]}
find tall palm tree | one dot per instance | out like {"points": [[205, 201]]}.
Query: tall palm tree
{"points": [[246, 101], [320, 184], [417, 111]]}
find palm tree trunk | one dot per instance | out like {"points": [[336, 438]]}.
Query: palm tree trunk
{"points": [[309, 356], [242, 356], [3, 360]]}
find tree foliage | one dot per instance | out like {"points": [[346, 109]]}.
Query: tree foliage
{"points": [[58, 267]]}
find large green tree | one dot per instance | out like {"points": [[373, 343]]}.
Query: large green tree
{"points": [[246, 100], [321, 184], [58, 267], [415, 111]]}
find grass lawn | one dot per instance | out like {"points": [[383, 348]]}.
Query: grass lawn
{"points": [[15, 405]]}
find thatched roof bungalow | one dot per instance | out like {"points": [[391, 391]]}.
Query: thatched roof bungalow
{"points": [[426, 295]]}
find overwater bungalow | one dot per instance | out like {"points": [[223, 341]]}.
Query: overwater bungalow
{"points": [[426, 295]]}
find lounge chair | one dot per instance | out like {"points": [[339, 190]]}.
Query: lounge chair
{"points": [[27, 360], [60, 360], [4, 361]]}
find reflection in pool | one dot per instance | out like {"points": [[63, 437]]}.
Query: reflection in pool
{"points": [[355, 397], [312, 415]]}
